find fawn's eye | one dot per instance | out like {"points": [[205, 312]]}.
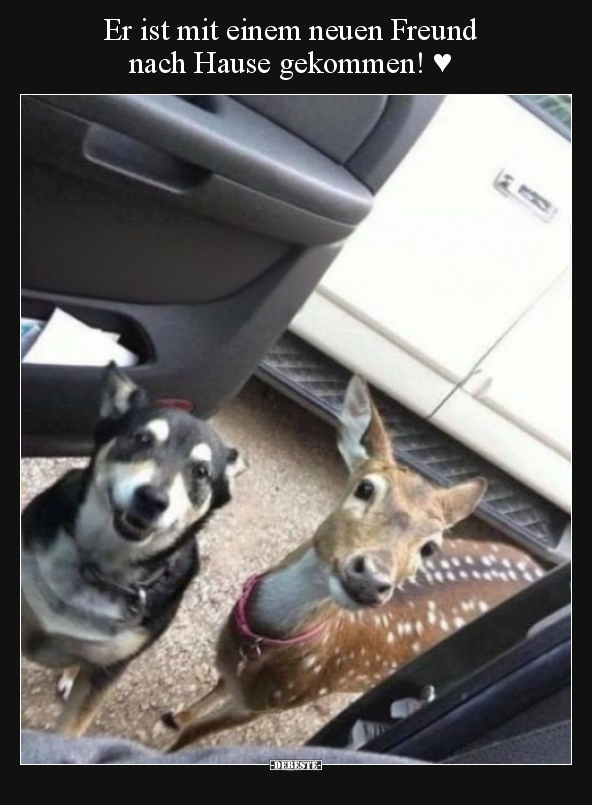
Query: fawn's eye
{"points": [[199, 472], [429, 549], [364, 490], [142, 440]]}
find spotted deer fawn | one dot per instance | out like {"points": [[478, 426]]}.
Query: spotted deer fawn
{"points": [[333, 615]]}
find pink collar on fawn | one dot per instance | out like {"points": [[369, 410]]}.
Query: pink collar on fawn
{"points": [[252, 645]]}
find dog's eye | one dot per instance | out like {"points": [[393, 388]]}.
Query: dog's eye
{"points": [[143, 440], [364, 490], [200, 472], [429, 549]]}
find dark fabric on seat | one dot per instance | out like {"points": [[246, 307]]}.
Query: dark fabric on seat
{"points": [[48, 748], [546, 746]]}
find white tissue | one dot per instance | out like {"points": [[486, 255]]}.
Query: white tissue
{"points": [[68, 342]]}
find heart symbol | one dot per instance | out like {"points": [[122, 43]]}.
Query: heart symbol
{"points": [[442, 60]]}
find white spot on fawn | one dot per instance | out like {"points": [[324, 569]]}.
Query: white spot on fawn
{"points": [[308, 662], [458, 622]]}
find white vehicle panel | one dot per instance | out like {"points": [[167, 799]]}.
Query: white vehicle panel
{"points": [[527, 377], [445, 263]]}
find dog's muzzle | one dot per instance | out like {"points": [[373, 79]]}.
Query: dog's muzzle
{"points": [[137, 522]]}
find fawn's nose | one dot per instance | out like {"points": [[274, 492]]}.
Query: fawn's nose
{"points": [[150, 501], [367, 580]]}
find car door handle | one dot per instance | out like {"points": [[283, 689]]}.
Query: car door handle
{"points": [[135, 159], [227, 138], [206, 193]]}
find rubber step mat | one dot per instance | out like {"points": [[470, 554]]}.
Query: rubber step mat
{"points": [[316, 381]]}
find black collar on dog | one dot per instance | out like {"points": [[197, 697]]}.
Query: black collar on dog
{"points": [[134, 594]]}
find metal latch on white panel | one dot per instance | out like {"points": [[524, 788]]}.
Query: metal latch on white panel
{"points": [[507, 184]]}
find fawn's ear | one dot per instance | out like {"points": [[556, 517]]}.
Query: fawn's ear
{"points": [[362, 434], [120, 394], [458, 502]]}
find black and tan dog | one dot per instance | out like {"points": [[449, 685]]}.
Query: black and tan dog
{"points": [[109, 550]]}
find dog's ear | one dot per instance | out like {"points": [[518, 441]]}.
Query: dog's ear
{"points": [[221, 490], [120, 394], [235, 464]]}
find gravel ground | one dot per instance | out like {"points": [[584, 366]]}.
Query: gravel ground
{"points": [[294, 479]]}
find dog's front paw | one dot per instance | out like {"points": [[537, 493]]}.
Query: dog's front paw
{"points": [[66, 682]]}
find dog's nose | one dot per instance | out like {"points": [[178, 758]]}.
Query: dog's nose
{"points": [[367, 581], [150, 501]]}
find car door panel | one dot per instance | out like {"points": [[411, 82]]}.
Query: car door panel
{"points": [[199, 353], [194, 226], [230, 140], [318, 119], [133, 250]]}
